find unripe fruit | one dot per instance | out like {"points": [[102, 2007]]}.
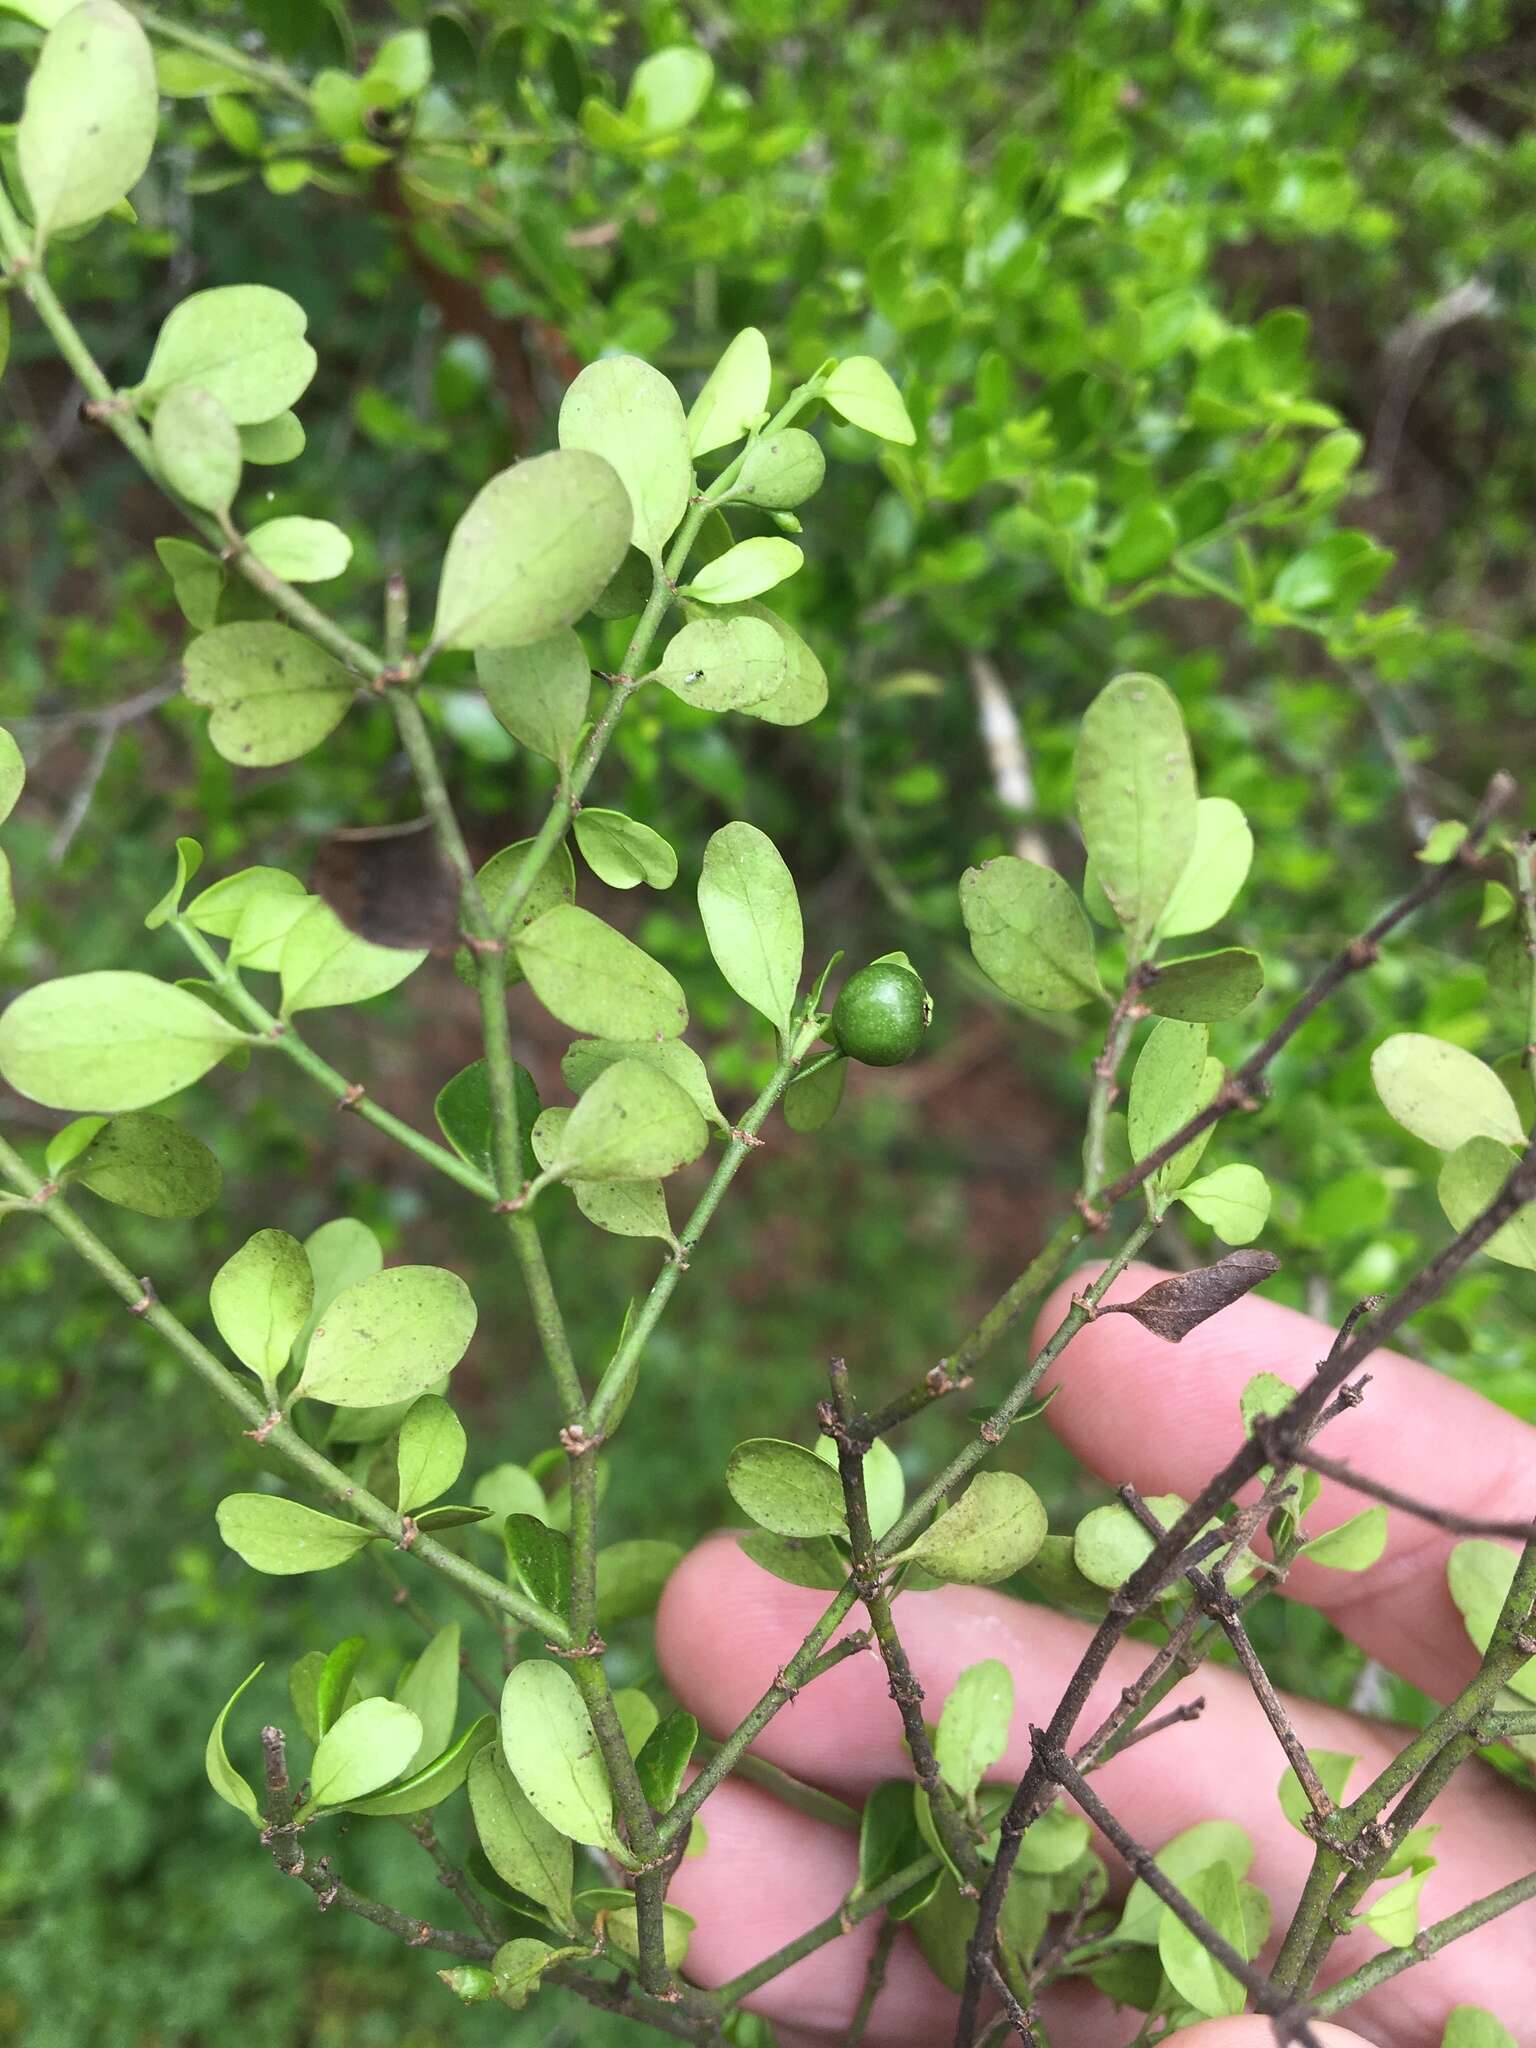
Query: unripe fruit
{"points": [[880, 1015]]}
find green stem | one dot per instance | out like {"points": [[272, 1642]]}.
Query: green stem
{"points": [[286, 1040], [274, 76], [1383, 1968], [279, 1436]]}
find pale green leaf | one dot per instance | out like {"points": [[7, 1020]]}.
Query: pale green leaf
{"points": [[197, 448], [430, 1453], [536, 546], [274, 695], [813, 1561], [669, 87], [539, 692], [261, 1299], [280, 439], [864, 392], [1167, 1084], [430, 1688], [299, 550], [1192, 1970], [436, 1781], [389, 1338], [109, 1041], [88, 123], [13, 773], [736, 664], [1110, 1542], [280, 1536], [555, 883], [752, 920], [625, 1208], [369, 1744], [1352, 1546], [781, 470], [243, 343], [1469, 1181], [632, 1123], [595, 980], [508, 1490], [519, 1843], [802, 694], [1181, 1859], [1332, 1766], [1393, 1917], [323, 964], [622, 852], [973, 1726], [992, 1531], [1136, 799], [735, 394], [623, 410], [552, 1752], [1233, 1200], [885, 1486], [630, 1578], [1479, 1574], [1468, 2026], [1029, 934], [1206, 987], [189, 858], [221, 907], [1442, 1093], [1216, 870], [785, 1488], [231, 1787], [146, 1163], [586, 1058], [746, 570]]}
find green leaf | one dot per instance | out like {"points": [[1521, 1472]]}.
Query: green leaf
{"points": [[812, 1100], [735, 664], [813, 1561], [802, 694], [622, 852], [1110, 1543], [261, 1300], [633, 1123], [298, 550], [669, 87], [269, 896], [1146, 536], [463, 1112], [992, 1531], [231, 1787], [973, 1727], [626, 1208], [109, 1041], [539, 692], [664, 1759], [323, 964], [1352, 1546], [621, 1924], [13, 776], [746, 570], [1330, 461], [274, 695], [197, 448], [630, 1577], [268, 442], [1479, 1574], [435, 1781], [1442, 1093], [552, 1752], [1468, 2026], [595, 980], [1206, 986], [621, 409], [554, 884], [341, 1253], [785, 1488], [1444, 842], [586, 1058], [388, 1338], [1167, 1084], [1469, 1180], [1216, 870], [1053, 1843], [430, 1453], [536, 546], [751, 918], [885, 1486], [430, 1688], [1332, 1766], [280, 1536], [520, 1845], [781, 470], [335, 1690], [1394, 1916], [1093, 174], [243, 343], [1208, 1842], [1192, 1970], [1233, 1200], [888, 1841], [1029, 934], [1342, 569], [88, 124], [862, 391], [1136, 800], [146, 1163], [370, 1744], [509, 1490], [735, 394], [189, 858], [541, 1558]]}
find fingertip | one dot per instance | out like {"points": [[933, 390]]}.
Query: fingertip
{"points": [[1257, 2033]]}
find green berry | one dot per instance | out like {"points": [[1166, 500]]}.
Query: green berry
{"points": [[880, 1015]]}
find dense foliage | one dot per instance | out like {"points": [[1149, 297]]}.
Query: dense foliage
{"points": [[1207, 329]]}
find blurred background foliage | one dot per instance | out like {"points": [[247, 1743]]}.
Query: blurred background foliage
{"points": [[1215, 320]]}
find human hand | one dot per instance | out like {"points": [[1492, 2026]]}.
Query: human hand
{"points": [[1164, 1418]]}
